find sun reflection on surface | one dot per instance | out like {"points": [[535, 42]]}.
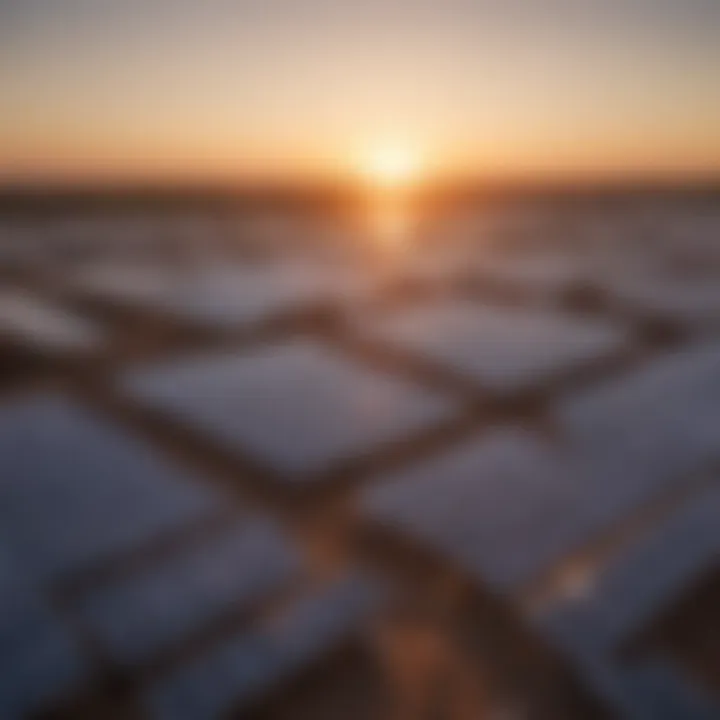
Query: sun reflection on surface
{"points": [[390, 176], [391, 224]]}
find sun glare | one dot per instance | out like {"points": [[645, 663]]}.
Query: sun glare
{"points": [[391, 167]]}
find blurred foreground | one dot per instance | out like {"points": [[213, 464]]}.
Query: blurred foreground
{"points": [[274, 462]]}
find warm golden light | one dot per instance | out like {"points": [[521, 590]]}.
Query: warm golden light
{"points": [[391, 167]]}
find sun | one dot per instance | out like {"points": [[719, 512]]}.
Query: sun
{"points": [[391, 167]]}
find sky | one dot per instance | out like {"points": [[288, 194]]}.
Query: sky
{"points": [[242, 89]]}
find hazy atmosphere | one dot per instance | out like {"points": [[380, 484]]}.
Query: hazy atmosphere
{"points": [[241, 89], [359, 360]]}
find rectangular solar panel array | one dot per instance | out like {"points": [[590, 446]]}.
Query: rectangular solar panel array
{"points": [[235, 479]]}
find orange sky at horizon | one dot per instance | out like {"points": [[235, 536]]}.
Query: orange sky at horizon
{"points": [[238, 90]]}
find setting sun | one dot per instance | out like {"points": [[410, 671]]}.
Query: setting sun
{"points": [[391, 167]]}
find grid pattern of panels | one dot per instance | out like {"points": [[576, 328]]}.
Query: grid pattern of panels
{"points": [[299, 475]]}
